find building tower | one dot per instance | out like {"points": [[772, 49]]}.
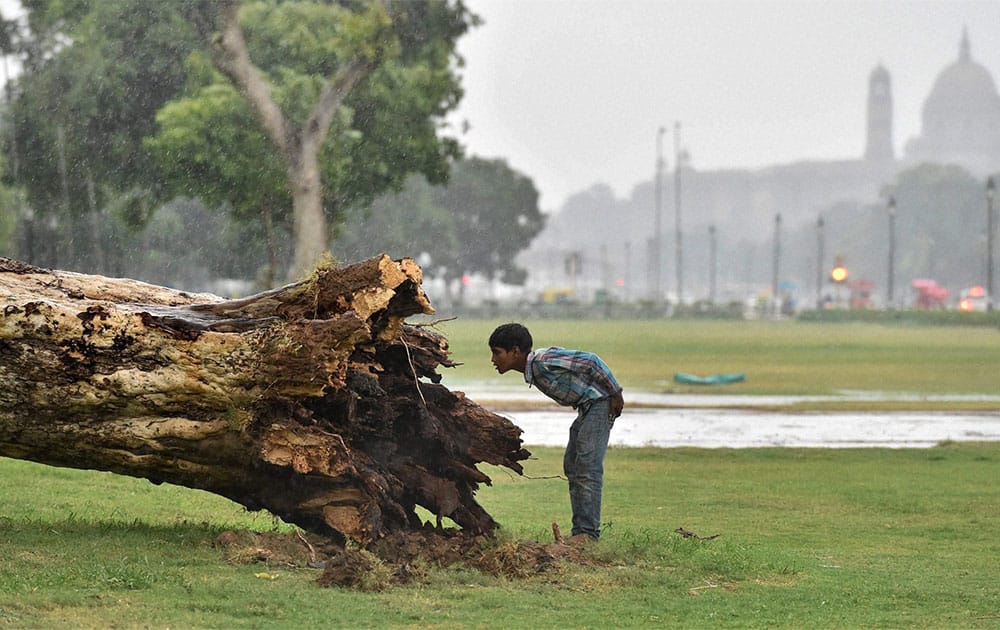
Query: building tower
{"points": [[879, 144]]}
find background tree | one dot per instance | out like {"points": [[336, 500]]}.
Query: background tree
{"points": [[496, 216], [478, 223], [96, 75], [10, 198], [945, 206], [410, 220], [332, 144], [940, 234], [210, 147]]}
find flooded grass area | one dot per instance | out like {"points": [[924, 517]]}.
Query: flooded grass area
{"points": [[726, 428], [849, 419]]}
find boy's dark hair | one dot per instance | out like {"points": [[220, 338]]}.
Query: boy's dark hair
{"points": [[510, 336]]}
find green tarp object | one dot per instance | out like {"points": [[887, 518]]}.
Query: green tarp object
{"points": [[714, 379]]}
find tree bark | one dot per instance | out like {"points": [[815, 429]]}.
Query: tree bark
{"points": [[315, 401]]}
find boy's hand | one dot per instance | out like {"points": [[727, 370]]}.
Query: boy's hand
{"points": [[617, 404]]}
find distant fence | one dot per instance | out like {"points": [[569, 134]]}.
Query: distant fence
{"points": [[905, 316], [591, 311]]}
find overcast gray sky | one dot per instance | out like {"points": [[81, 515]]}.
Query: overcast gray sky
{"points": [[571, 92]]}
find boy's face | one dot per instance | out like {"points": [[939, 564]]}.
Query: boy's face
{"points": [[504, 360]]}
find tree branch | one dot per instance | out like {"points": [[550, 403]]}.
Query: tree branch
{"points": [[232, 58], [334, 92]]}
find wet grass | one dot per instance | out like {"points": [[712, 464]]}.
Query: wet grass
{"points": [[778, 357], [840, 538], [831, 538]]}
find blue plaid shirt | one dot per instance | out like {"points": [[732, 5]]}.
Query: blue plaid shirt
{"points": [[570, 377]]}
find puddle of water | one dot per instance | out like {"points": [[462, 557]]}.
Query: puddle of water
{"points": [[713, 428], [697, 423], [521, 392]]}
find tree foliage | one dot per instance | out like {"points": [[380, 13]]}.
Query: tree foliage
{"points": [[347, 110], [82, 114], [211, 147], [496, 214], [119, 99], [478, 223]]}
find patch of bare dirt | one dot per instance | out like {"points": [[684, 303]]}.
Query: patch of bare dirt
{"points": [[401, 557]]}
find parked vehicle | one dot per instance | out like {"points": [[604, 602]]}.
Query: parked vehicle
{"points": [[973, 299]]}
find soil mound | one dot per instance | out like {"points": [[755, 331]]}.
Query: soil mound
{"points": [[401, 557]]}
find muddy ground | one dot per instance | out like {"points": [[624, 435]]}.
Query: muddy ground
{"points": [[402, 557]]}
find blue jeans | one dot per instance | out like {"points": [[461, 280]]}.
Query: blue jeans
{"points": [[583, 464]]}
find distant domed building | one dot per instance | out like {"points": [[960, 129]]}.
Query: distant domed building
{"points": [[960, 126], [961, 118]]}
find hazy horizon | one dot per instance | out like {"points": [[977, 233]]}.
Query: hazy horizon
{"points": [[572, 93]]}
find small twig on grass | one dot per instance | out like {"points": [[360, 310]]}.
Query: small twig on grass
{"points": [[511, 475], [689, 534], [694, 590]]}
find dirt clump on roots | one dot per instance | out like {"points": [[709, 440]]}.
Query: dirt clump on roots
{"points": [[275, 549], [400, 558]]}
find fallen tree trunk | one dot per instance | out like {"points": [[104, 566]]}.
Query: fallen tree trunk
{"points": [[311, 401]]}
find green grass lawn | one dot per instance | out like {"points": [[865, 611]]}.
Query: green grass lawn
{"points": [[809, 538], [829, 538]]}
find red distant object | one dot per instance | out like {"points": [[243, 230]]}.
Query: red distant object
{"points": [[861, 293], [976, 291], [930, 295]]}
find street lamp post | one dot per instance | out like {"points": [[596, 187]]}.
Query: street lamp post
{"points": [[819, 262], [777, 260], [628, 273], [677, 213], [990, 191], [712, 256], [891, 209], [658, 219]]}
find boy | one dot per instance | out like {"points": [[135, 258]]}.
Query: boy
{"points": [[575, 379]]}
